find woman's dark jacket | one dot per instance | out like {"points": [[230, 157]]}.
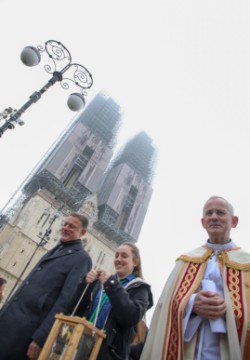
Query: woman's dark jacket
{"points": [[128, 306]]}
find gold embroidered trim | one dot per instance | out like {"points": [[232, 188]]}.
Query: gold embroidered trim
{"points": [[197, 260], [185, 286], [232, 264], [234, 289], [246, 352], [223, 257], [182, 271]]}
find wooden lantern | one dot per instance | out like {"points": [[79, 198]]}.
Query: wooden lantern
{"points": [[72, 338]]}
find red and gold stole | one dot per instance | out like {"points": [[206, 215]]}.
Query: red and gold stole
{"points": [[238, 283], [189, 280]]}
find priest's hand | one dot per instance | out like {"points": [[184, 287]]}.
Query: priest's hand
{"points": [[209, 305]]}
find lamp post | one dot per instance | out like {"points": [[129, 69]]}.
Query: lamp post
{"points": [[62, 64], [44, 238]]}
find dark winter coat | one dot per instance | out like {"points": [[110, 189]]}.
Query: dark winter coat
{"points": [[47, 290], [128, 306]]}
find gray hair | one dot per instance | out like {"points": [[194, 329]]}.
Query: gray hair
{"points": [[229, 206]]}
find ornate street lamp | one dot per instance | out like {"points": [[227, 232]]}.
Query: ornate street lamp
{"points": [[62, 70]]}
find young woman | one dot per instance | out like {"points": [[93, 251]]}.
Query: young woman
{"points": [[125, 298]]}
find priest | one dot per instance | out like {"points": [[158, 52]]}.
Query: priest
{"points": [[204, 309]]}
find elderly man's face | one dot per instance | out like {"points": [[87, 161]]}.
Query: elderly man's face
{"points": [[218, 220]]}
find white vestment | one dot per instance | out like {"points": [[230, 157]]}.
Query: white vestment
{"points": [[173, 322]]}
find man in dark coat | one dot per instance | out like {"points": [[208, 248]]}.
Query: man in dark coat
{"points": [[26, 319]]}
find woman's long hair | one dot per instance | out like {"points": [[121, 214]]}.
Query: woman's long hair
{"points": [[136, 256], [141, 332]]}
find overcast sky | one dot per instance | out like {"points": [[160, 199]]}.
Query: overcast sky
{"points": [[180, 70]]}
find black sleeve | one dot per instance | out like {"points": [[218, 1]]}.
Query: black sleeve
{"points": [[128, 305]]}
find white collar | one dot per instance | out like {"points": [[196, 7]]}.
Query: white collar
{"points": [[220, 247]]}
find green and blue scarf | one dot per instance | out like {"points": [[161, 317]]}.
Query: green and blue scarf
{"points": [[105, 303]]}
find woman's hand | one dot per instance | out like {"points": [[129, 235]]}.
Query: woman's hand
{"points": [[101, 275], [104, 275], [92, 276]]}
